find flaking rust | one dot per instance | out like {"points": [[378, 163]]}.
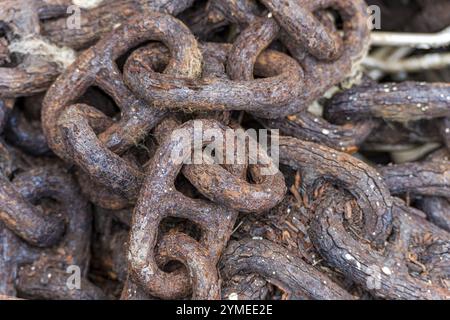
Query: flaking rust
{"points": [[94, 205]]}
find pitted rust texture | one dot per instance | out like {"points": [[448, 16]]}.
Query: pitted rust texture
{"points": [[194, 173], [319, 76], [298, 20], [429, 178], [298, 281], [217, 223], [159, 194], [207, 95], [221, 186], [96, 66], [412, 257], [426, 181], [195, 95], [19, 214], [436, 208], [107, 16], [267, 96], [156, 56], [248, 47], [14, 251], [165, 229], [317, 163], [406, 101], [101, 164], [94, 158], [287, 225], [228, 186], [32, 74], [306, 126], [100, 195], [46, 276], [42, 273]]}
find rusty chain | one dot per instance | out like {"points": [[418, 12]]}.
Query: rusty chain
{"points": [[358, 206]]}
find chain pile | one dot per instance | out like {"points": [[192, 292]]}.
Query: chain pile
{"points": [[359, 207]]}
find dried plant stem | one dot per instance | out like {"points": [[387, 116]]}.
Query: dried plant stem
{"points": [[416, 40]]}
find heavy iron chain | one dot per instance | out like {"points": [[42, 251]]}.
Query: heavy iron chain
{"points": [[100, 132]]}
